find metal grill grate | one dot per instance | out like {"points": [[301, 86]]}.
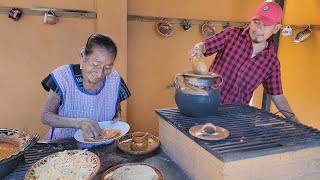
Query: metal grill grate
{"points": [[253, 132], [37, 152]]}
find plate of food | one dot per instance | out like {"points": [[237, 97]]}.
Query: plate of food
{"points": [[132, 171], [110, 130], [68, 164], [209, 132]]}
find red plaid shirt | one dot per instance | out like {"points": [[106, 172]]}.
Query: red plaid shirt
{"points": [[241, 73]]}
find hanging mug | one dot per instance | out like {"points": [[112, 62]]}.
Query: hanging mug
{"points": [[287, 31], [303, 35], [15, 14], [50, 18]]}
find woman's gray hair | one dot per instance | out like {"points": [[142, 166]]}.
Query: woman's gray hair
{"points": [[103, 41]]}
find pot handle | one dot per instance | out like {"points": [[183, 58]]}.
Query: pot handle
{"points": [[216, 86], [32, 141], [176, 85]]}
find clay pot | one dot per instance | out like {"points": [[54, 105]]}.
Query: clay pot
{"points": [[208, 30], [22, 140], [303, 35], [199, 95], [164, 27]]}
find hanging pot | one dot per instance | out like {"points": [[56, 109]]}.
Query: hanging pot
{"points": [[208, 30], [22, 141], [50, 18], [303, 35], [199, 95], [164, 27], [15, 14]]}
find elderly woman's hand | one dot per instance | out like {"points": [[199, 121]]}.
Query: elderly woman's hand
{"points": [[90, 128]]}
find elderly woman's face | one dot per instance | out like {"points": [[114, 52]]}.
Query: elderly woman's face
{"points": [[97, 65]]}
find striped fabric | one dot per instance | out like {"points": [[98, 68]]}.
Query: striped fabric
{"points": [[77, 103]]}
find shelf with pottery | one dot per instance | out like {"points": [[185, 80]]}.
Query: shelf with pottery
{"points": [[302, 35], [164, 24], [14, 12]]}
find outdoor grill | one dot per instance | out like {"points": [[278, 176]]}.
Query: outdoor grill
{"points": [[253, 133]]}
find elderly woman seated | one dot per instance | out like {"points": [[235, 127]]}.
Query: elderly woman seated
{"points": [[81, 95]]}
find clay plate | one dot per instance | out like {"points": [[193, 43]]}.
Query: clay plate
{"points": [[220, 133], [107, 175]]}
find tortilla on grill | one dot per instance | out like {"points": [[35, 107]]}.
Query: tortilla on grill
{"points": [[134, 172], [107, 134]]}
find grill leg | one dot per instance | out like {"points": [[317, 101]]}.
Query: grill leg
{"points": [[266, 101]]}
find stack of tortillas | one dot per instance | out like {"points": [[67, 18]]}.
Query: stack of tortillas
{"points": [[135, 172], [199, 66], [107, 134]]}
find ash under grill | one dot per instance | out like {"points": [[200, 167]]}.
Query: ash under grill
{"points": [[253, 132], [37, 152]]}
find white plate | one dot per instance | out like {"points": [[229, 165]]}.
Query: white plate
{"points": [[124, 127]]}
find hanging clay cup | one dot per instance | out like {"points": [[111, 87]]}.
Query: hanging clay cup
{"points": [[15, 14], [208, 30], [287, 31], [303, 35], [50, 18], [164, 27], [186, 25]]}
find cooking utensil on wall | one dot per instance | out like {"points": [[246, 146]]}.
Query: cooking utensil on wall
{"points": [[186, 25], [303, 35], [287, 31], [164, 27], [50, 18], [15, 14], [208, 30]]}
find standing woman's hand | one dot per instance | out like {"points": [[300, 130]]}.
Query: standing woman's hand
{"points": [[90, 128], [197, 50]]}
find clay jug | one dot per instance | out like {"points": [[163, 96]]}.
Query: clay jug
{"points": [[198, 96]]}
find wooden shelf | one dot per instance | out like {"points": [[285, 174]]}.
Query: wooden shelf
{"points": [[40, 11], [180, 20]]}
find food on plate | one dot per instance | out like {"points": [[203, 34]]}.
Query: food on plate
{"points": [[134, 172], [208, 129], [66, 165], [7, 149], [107, 134]]}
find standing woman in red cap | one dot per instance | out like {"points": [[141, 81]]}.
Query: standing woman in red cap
{"points": [[246, 58]]}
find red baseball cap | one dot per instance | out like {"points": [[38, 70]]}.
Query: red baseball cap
{"points": [[268, 12]]}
